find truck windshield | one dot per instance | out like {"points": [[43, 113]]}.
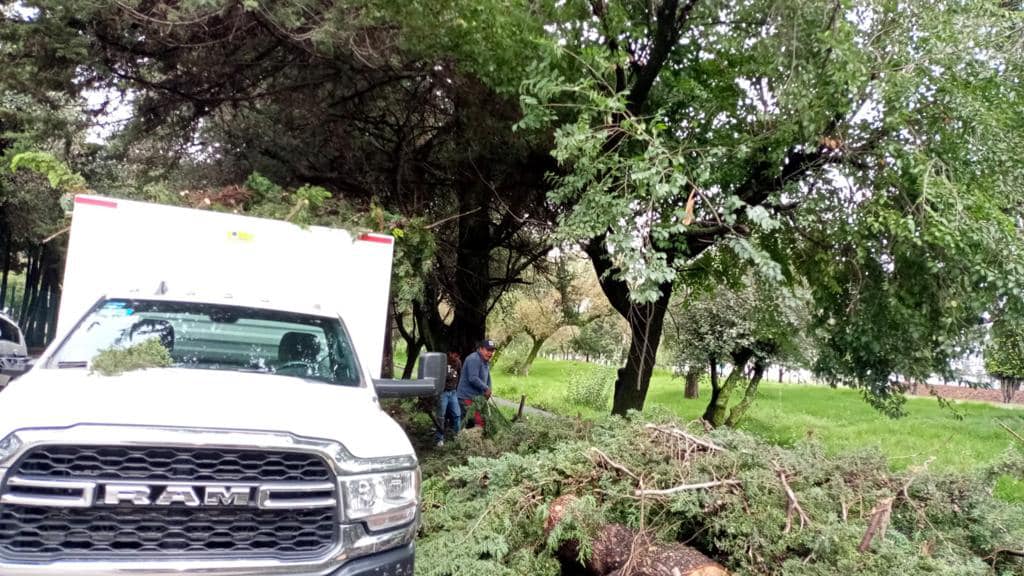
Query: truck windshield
{"points": [[217, 337]]}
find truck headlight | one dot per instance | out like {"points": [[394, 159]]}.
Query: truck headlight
{"points": [[8, 446], [382, 500]]}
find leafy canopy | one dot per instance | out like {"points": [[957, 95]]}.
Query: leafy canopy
{"points": [[865, 148]]}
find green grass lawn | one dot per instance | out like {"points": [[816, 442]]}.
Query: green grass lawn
{"points": [[838, 418]]}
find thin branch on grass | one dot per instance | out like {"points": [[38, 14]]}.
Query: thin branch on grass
{"points": [[1010, 430]]}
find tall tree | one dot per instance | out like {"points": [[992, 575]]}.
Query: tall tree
{"points": [[865, 147], [325, 94]]}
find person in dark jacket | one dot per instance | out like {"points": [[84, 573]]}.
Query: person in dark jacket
{"points": [[449, 402], [475, 380]]}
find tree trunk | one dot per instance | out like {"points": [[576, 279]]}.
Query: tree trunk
{"points": [[472, 271], [412, 351], [534, 349], [1010, 387], [414, 340], [716, 388], [645, 325], [782, 371], [693, 382], [739, 410], [43, 296], [387, 368], [31, 280], [6, 271], [646, 322], [717, 409], [614, 546], [430, 327]]}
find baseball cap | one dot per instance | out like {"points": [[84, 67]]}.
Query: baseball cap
{"points": [[487, 344]]}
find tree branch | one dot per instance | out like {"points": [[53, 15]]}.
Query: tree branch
{"points": [[604, 457], [685, 487], [794, 504]]}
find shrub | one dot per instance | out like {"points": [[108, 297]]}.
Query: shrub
{"points": [[590, 388], [512, 359]]}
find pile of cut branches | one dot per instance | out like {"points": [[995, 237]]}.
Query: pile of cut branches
{"points": [[651, 498]]}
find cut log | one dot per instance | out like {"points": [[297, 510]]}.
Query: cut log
{"points": [[618, 550]]}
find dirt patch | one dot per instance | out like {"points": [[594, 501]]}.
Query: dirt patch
{"points": [[992, 395]]}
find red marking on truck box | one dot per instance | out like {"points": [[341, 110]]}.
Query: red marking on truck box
{"points": [[378, 238], [95, 202]]}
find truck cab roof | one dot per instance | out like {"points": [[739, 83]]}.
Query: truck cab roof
{"points": [[281, 303]]}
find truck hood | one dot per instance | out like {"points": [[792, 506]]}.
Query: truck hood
{"points": [[187, 398]]}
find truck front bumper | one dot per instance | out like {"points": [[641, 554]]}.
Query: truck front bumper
{"points": [[394, 562]]}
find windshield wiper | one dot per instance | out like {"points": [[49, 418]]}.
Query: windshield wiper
{"points": [[74, 364]]}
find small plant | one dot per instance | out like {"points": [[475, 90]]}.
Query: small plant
{"points": [[590, 388], [116, 361], [513, 361]]}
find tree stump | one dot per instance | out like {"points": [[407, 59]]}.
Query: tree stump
{"points": [[617, 550]]}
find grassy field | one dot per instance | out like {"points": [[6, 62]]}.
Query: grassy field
{"points": [[838, 418]]}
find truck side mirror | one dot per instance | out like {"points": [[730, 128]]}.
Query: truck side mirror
{"points": [[433, 368]]}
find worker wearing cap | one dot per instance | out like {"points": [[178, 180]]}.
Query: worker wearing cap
{"points": [[475, 379]]}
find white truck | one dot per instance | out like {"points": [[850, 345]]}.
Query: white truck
{"points": [[13, 353], [262, 448]]}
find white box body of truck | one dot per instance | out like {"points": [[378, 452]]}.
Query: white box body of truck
{"points": [[257, 446]]}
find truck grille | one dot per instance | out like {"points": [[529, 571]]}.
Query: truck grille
{"points": [[128, 531], [185, 464]]}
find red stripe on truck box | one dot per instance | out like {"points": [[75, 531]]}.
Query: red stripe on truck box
{"points": [[95, 202], [380, 239]]}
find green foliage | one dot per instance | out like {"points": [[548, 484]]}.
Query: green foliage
{"points": [[1004, 352], [263, 188], [605, 337], [513, 358], [718, 320], [750, 321], [117, 361], [461, 535], [581, 520], [590, 388], [861, 148], [485, 517], [57, 173]]}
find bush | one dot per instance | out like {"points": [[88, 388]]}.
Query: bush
{"points": [[590, 388], [512, 359]]}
